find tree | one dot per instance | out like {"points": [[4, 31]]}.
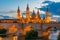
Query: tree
{"points": [[58, 37], [3, 32], [31, 34]]}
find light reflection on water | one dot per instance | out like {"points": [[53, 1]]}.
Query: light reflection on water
{"points": [[53, 36]]}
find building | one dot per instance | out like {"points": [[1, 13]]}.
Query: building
{"points": [[35, 18]]}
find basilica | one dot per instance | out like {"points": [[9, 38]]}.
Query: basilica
{"points": [[34, 18], [21, 25]]}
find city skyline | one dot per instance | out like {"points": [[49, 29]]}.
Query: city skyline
{"points": [[8, 8]]}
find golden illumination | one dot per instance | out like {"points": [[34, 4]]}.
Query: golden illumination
{"points": [[1, 27], [35, 18], [22, 31], [18, 13], [14, 37], [22, 19], [47, 19], [12, 29], [26, 29], [46, 31], [27, 14], [38, 17], [0, 38]]}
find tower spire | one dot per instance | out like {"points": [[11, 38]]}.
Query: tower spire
{"points": [[18, 8], [27, 14], [18, 13], [47, 8], [27, 6], [38, 14], [33, 15], [47, 18], [47, 12]]}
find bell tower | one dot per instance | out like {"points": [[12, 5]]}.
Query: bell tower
{"points": [[34, 17], [47, 18], [18, 13], [27, 14], [38, 16]]}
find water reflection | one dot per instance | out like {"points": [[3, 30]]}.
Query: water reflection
{"points": [[0, 38], [53, 36]]}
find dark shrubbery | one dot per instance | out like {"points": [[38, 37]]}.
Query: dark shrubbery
{"points": [[31, 34], [3, 32]]}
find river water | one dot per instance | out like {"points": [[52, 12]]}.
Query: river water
{"points": [[53, 36]]}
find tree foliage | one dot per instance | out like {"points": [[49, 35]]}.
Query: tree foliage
{"points": [[3, 32], [31, 34]]}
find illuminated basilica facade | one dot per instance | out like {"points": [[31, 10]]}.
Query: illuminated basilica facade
{"points": [[34, 18]]}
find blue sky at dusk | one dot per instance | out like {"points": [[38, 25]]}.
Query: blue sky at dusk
{"points": [[8, 8]]}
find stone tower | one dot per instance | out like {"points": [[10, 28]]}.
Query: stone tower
{"points": [[47, 18], [38, 16], [34, 17], [18, 13], [27, 14]]}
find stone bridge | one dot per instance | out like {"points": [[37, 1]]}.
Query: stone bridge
{"points": [[33, 25]]}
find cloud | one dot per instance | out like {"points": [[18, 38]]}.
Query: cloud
{"points": [[1, 17], [49, 2], [52, 19], [55, 0], [56, 16], [6, 12], [54, 8], [42, 12], [5, 17]]}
